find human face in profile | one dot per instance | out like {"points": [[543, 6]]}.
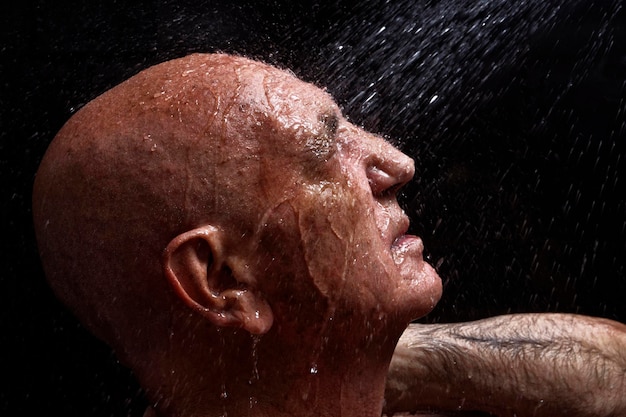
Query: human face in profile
{"points": [[334, 223]]}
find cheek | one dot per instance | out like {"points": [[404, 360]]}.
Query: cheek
{"points": [[326, 231], [343, 252], [312, 237], [300, 252], [323, 254]]}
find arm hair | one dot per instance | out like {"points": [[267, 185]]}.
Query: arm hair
{"points": [[514, 365]]}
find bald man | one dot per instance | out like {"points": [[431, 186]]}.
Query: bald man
{"points": [[234, 239], [238, 243]]}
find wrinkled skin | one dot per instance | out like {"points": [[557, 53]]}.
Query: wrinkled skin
{"points": [[213, 197], [340, 221]]}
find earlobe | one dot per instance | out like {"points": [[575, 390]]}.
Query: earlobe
{"points": [[213, 283], [252, 312]]}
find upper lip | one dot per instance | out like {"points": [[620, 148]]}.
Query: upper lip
{"points": [[400, 229]]}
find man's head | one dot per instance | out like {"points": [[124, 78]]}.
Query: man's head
{"points": [[213, 193]]}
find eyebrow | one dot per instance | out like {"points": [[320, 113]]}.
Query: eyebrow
{"points": [[330, 120], [322, 144]]}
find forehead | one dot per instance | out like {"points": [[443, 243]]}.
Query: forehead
{"points": [[297, 104], [298, 119]]}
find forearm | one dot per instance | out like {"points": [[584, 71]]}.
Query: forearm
{"points": [[516, 365]]}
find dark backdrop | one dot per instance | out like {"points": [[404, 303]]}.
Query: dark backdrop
{"points": [[514, 111]]}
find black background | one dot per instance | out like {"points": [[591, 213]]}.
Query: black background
{"points": [[514, 111]]}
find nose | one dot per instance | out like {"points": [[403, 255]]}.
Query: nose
{"points": [[388, 170]]}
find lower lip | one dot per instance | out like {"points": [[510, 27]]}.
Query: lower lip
{"points": [[405, 240], [407, 246]]}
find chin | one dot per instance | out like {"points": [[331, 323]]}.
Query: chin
{"points": [[417, 278], [419, 290]]}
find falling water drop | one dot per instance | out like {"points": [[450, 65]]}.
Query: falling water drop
{"points": [[255, 359], [252, 401], [224, 397]]}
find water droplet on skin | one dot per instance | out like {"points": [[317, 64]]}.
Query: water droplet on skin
{"points": [[399, 255]]}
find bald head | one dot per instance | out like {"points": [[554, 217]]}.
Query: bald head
{"points": [[213, 192], [182, 144]]}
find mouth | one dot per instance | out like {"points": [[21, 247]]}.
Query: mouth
{"points": [[405, 245]]}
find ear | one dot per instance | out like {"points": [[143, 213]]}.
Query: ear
{"points": [[218, 286]]}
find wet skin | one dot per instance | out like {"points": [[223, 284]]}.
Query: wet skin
{"points": [[338, 212], [213, 197]]}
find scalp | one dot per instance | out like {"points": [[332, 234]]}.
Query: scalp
{"points": [[204, 139], [154, 156]]}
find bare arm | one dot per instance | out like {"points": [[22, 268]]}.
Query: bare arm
{"points": [[515, 365]]}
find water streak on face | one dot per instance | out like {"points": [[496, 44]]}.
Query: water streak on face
{"points": [[335, 228]]}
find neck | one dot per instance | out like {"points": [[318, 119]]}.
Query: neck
{"points": [[260, 381], [355, 389], [322, 394], [344, 397]]}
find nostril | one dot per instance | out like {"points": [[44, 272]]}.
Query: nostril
{"points": [[383, 183]]}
